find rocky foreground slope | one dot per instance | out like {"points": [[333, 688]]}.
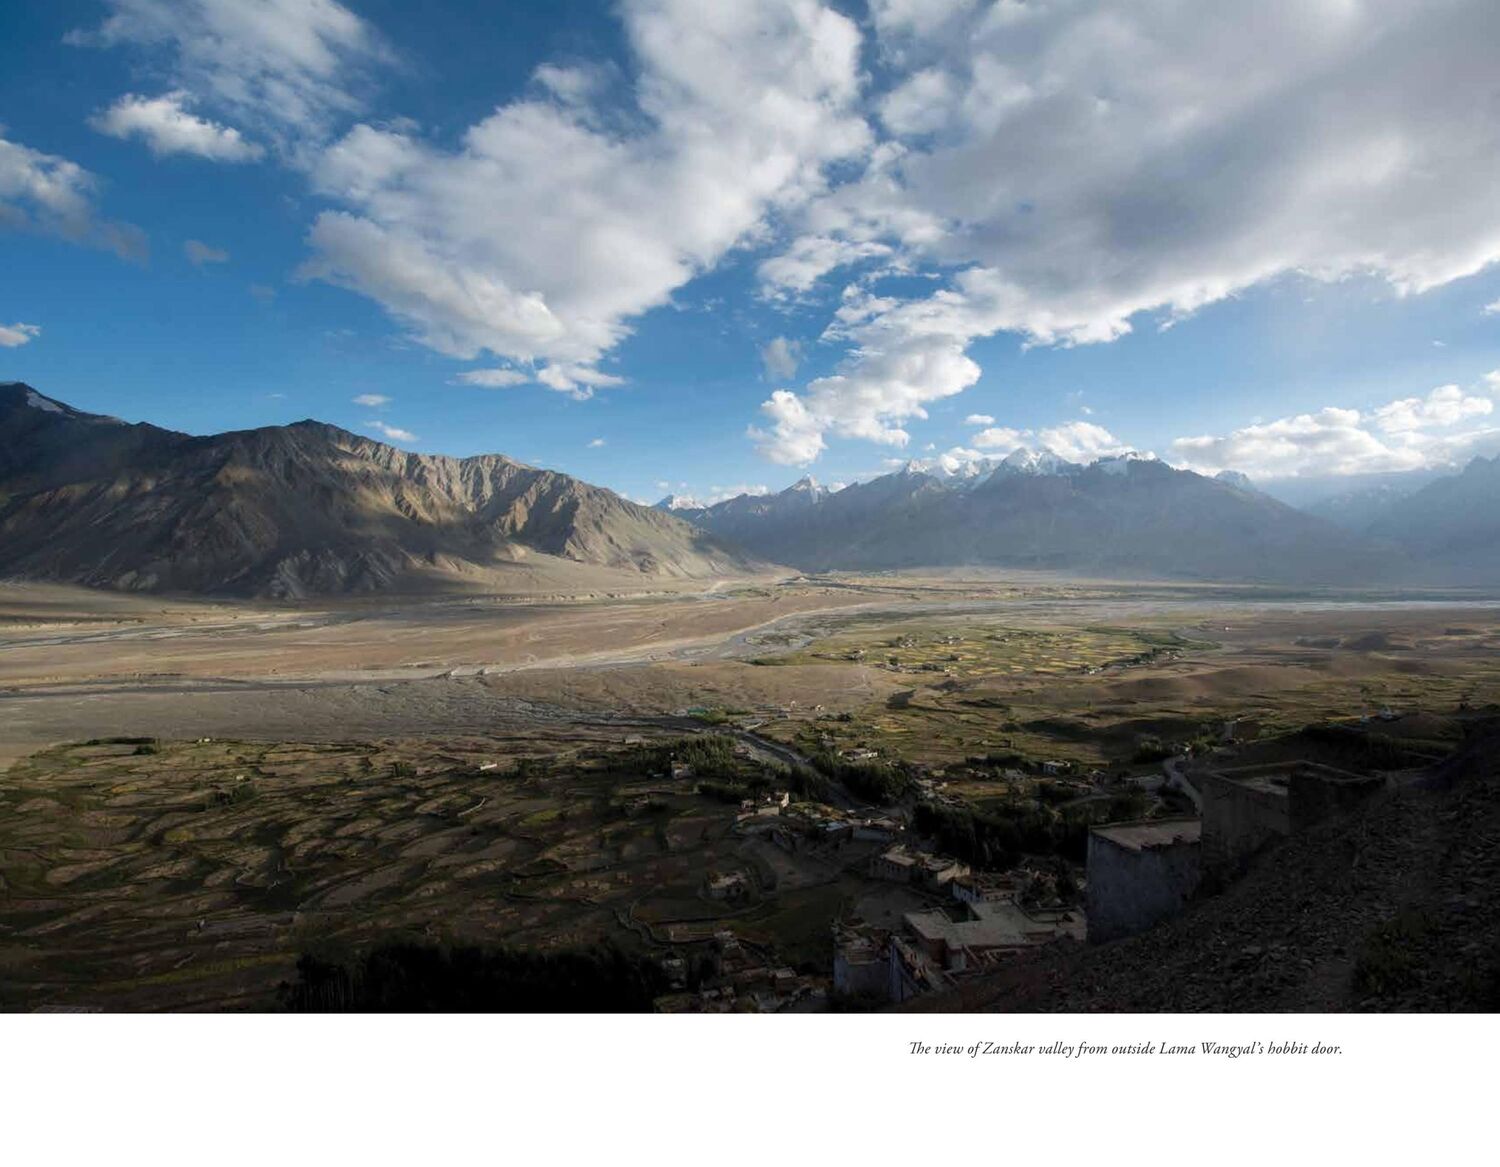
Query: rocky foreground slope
{"points": [[309, 509], [1395, 909]]}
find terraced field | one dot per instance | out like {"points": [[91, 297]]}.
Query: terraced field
{"points": [[966, 648], [136, 873]]}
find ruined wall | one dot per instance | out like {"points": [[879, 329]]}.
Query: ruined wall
{"points": [[1130, 891]]}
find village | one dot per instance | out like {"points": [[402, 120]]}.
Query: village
{"points": [[925, 920]]}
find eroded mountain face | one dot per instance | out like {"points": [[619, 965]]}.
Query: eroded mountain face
{"points": [[305, 509]]}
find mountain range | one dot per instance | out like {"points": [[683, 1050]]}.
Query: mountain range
{"points": [[308, 509], [1125, 515]]}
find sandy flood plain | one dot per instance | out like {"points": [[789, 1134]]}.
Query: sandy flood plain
{"points": [[76, 664]]}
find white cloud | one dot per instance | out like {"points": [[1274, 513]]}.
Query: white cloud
{"points": [[15, 335], [979, 419], [1081, 441], [286, 67], [372, 400], [1492, 309], [390, 431], [547, 231], [596, 443], [571, 84], [168, 128], [1062, 168], [494, 378], [797, 269], [795, 437], [781, 357], [199, 253], [902, 360], [1445, 406], [578, 380], [43, 192], [1003, 439], [1409, 434]]}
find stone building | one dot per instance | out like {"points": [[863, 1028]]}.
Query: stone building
{"points": [[1139, 873]]}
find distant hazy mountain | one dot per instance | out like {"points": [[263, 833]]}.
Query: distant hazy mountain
{"points": [[1451, 525], [1119, 516], [1236, 479], [1360, 508], [308, 509]]}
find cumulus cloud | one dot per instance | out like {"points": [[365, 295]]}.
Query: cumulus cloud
{"points": [[798, 269], [796, 435], [15, 335], [199, 253], [1445, 406], [288, 67], [546, 231], [1492, 309], [47, 193], [167, 127], [1082, 441], [781, 357], [1001, 438], [391, 432], [1062, 170], [372, 400], [979, 419], [1409, 434], [596, 443], [901, 360]]}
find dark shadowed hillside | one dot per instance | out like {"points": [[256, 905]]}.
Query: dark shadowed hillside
{"points": [[1395, 909], [309, 509]]}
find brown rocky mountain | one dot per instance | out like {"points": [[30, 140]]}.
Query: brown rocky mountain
{"points": [[309, 509]]}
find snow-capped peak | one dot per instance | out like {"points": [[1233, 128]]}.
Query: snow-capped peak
{"points": [[1030, 461], [1121, 463], [679, 502], [37, 401]]}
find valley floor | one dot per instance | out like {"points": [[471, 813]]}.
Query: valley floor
{"points": [[361, 728]]}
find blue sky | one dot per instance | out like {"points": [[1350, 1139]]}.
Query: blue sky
{"points": [[936, 212]]}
